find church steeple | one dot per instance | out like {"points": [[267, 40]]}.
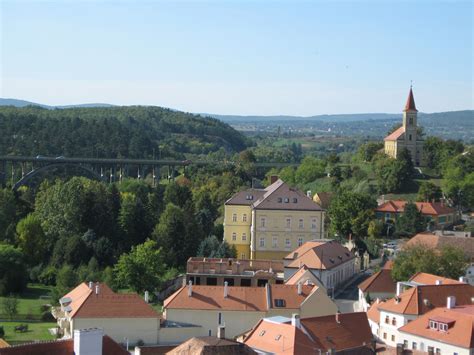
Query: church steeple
{"points": [[410, 105]]}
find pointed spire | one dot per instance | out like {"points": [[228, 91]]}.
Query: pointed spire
{"points": [[410, 105]]}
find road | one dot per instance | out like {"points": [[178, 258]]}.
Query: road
{"points": [[347, 298]]}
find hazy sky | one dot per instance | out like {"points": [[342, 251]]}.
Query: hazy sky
{"points": [[240, 57]]}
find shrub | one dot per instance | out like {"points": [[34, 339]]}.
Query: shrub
{"points": [[48, 276], [47, 317]]}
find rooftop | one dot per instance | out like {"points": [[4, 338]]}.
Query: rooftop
{"points": [[426, 208], [380, 282], [211, 345], [423, 278], [395, 134], [437, 242], [229, 266]]}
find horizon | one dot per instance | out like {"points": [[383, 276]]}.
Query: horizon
{"points": [[240, 58]]}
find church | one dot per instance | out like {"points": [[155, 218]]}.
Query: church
{"points": [[406, 136]]}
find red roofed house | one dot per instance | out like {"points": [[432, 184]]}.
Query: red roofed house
{"points": [[443, 330], [437, 213], [332, 263], [341, 333], [239, 308], [406, 137], [380, 285], [121, 316]]}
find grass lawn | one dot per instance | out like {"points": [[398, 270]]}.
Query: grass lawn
{"points": [[29, 302], [36, 331]]}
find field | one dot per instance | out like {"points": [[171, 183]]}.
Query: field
{"points": [[36, 331]]}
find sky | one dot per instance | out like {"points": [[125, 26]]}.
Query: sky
{"points": [[240, 57]]}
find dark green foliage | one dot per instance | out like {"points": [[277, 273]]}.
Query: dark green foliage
{"points": [[410, 222], [428, 192], [13, 275], [47, 316], [393, 175], [8, 215], [10, 306], [367, 151], [2, 332]]}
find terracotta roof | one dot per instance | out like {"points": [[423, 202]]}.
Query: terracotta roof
{"points": [[395, 134], [107, 304], [380, 282], [410, 105], [426, 208], [437, 242], [296, 277], [373, 313], [429, 279], [319, 255], [3, 343], [155, 349], [412, 301], [211, 345], [247, 299], [273, 198], [61, 347], [318, 333], [460, 333]]}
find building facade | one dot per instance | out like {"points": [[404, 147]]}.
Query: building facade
{"points": [[269, 223], [406, 137]]}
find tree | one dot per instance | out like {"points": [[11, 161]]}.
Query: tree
{"points": [[210, 247], [132, 220], [428, 192], [177, 194], [141, 269], [309, 170], [31, 239], [368, 150], [10, 306], [13, 274], [375, 229], [8, 211], [448, 262], [350, 213], [410, 222], [393, 174]]}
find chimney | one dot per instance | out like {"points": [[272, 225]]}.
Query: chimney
{"points": [[221, 332], [451, 302], [91, 285], [300, 288], [273, 179], [226, 289], [97, 288], [338, 315], [438, 282], [295, 320], [309, 194], [147, 296], [190, 288], [88, 341], [399, 288]]}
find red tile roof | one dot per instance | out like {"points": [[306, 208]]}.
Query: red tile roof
{"points": [[246, 299], [395, 134], [323, 255], [296, 277], [460, 333], [426, 208], [437, 242], [373, 313], [211, 345], [380, 282], [429, 279], [107, 304], [61, 347], [421, 299], [410, 105]]}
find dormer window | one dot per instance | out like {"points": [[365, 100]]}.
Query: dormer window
{"points": [[287, 200], [278, 337], [280, 200], [295, 200], [280, 303], [262, 333], [441, 324]]}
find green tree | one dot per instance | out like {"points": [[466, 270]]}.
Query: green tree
{"points": [[141, 269], [13, 274], [211, 247], [428, 192], [10, 306], [375, 229], [410, 222], [8, 215], [132, 220], [31, 239], [368, 150], [309, 170], [177, 194]]}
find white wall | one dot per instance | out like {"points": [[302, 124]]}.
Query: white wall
{"points": [[425, 343], [390, 329]]}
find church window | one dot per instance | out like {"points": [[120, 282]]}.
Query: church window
{"points": [[410, 120], [409, 137]]}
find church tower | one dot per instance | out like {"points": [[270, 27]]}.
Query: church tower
{"points": [[410, 119]]}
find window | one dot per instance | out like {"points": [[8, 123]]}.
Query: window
{"points": [[438, 351], [300, 241], [409, 137], [234, 237], [263, 222], [280, 303], [301, 223], [414, 345], [230, 281], [385, 335], [443, 327], [245, 282], [211, 281], [244, 236], [275, 242], [287, 200], [280, 200], [405, 344], [243, 256], [234, 217], [387, 320], [288, 223], [433, 325], [313, 223], [394, 321], [410, 120], [262, 242], [287, 243], [262, 333], [219, 318], [244, 217], [262, 282], [295, 200], [393, 337], [278, 337]]}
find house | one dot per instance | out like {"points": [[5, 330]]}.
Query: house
{"points": [[332, 263], [373, 315], [437, 242], [304, 276], [236, 272], [380, 285], [343, 333], [414, 302], [423, 278], [84, 342], [436, 213], [323, 199], [406, 137], [211, 346], [121, 316], [443, 330], [269, 223], [199, 310]]}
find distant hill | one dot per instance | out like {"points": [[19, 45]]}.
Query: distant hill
{"points": [[24, 103], [113, 132], [326, 118]]}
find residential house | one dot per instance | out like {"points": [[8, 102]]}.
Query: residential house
{"points": [[331, 262], [443, 330], [304, 276], [236, 272], [323, 199], [199, 310], [84, 342], [437, 242], [380, 286], [438, 214], [121, 316], [343, 333], [423, 278], [269, 223], [414, 302], [373, 315]]}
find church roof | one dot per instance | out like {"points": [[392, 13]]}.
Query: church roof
{"points": [[410, 105], [395, 134]]}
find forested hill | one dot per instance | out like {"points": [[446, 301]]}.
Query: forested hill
{"points": [[113, 132]]}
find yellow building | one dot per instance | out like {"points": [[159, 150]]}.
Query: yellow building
{"points": [[269, 223], [407, 135]]}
